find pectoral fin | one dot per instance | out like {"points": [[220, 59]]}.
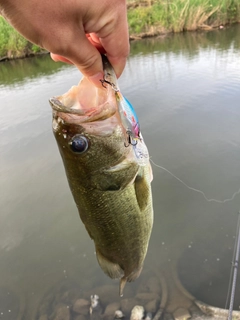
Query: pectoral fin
{"points": [[117, 177], [142, 188]]}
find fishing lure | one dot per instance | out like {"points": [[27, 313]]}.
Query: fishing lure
{"points": [[129, 119], [130, 122], [128, 116]]}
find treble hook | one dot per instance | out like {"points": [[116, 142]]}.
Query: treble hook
{"points": [[105, 81], [130, 140], [108, 82]]}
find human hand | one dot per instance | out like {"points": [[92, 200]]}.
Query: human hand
{"points": [[74, 31]]}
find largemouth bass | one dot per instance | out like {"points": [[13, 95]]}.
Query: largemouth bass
{"points": [[108, 171]]}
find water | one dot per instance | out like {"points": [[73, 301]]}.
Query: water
{"points": [[186, 91]]}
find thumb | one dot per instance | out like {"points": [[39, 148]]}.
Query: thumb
{"points": [[87, 59]]}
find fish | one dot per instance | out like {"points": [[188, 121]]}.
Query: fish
{"points": [[108, 170]]}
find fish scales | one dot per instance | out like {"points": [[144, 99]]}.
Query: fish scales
{"points": [[109, 173]]}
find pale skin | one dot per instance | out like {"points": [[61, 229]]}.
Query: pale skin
{"points": [[74, 31]]}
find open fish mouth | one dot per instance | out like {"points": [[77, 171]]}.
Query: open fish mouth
{"points": [[57, 105], [85, 103], [86, 99]]}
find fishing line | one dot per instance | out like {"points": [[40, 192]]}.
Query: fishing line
{"points": [[197, 190], [236, 251]]}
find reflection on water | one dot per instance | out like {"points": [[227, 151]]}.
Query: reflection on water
{"points": [[188, 44], [186, 91], [20, 71]]}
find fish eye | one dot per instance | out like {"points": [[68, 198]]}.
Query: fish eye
{"points": [[79, 143]]}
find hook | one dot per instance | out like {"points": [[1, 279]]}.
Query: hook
{"points": [[108, 82], [130, 140]]}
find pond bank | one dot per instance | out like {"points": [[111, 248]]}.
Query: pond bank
{"points": [[179, 15], [23, 55], [160, 31], [152, 32]]}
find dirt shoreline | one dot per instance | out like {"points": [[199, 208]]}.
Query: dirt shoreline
{"points": [[23, 56], [161, 31]]}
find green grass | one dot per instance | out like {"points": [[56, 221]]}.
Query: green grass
{"points": [[12, 44], [183, 15]]}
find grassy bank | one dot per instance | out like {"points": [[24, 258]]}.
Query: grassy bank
{"points": [[181, 15], [145, 17], [12, 44]]}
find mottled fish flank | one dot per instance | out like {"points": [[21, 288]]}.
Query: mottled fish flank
{"points": [[108, 170]]}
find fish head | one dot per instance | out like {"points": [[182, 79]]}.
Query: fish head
{"points": [[90, 135]]}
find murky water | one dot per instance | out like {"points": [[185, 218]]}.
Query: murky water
{"points": [[186, 91]]}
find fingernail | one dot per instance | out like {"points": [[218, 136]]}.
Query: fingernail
{"points": [[95, 79]]}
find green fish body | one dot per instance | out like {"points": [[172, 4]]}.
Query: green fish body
{"points": [[109, 176]]}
